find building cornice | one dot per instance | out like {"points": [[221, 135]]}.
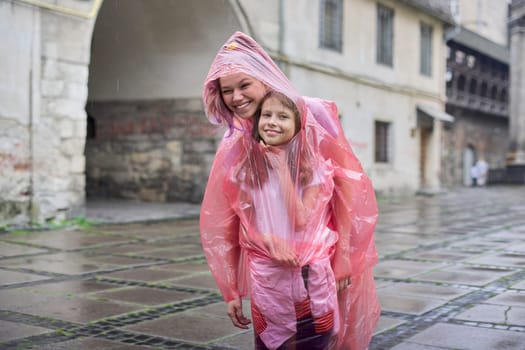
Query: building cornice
{"points": [[484, 46], [359, 78], [437, 8]]}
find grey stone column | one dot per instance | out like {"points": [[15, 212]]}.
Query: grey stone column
{"points": [[516, 154]]}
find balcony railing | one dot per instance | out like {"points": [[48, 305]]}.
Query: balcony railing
{"points": [[477, 103]]}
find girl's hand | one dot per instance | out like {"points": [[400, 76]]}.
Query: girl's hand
{"points": [[234, 308], [343, 283], [280, 251]]}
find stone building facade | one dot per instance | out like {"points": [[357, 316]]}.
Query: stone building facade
{"points": [[516, 151], [478, 97], [44, 65], [102, 98], [485, 92]]}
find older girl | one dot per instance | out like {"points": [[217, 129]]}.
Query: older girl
{"points": [[281, 194], [239, 77]]}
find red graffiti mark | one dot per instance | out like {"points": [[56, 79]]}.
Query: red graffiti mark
{"points": [[357, 144], [15, 162]]}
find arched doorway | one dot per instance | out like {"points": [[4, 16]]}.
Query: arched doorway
{"points": [[469, 157], [148, 137]]}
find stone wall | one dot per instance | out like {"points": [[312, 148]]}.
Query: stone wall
{"points": [[42, 118], [18, 38], [149, 150], [15, 172]]}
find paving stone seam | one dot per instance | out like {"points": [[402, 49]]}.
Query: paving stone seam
{"points": [[35, 320], [34, 272], [61, 277], [36, 341], [455, 218], [30, 255], [56, 277], [101, 328], [123, 337], [494, 325], [467, 264], [418, 323], [154, 285], [430, 246], [446, 312], [11, 240], [427, 283]]}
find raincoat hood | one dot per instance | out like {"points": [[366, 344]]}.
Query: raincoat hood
{"points": [[241, 54]]}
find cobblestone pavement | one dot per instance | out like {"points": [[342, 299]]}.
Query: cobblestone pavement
{"points": [[451, 275]]}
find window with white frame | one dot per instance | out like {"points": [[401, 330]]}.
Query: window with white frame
{"points": [[385, 35], [425, 57], [382, 142], [331, 25]]}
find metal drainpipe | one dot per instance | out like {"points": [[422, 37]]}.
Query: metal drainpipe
{"points": [[281, 26], [456, 13], [280, 48], [34, 38], [65, 10]]}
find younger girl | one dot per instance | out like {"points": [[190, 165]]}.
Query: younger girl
{"points": [[282, 194], [238, 78]]}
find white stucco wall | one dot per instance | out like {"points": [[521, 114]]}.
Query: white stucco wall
{"points": [[19, 27], [16, 43], [360, 106], [364, 90], [488, 18], [264, 18], [42, 118], [359, 42]]}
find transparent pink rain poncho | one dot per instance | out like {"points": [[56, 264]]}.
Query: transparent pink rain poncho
{"points": [[309, 196]]}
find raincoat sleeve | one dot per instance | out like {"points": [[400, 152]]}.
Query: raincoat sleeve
{"points": [[354, 217], [354, 207], [220, 225]]}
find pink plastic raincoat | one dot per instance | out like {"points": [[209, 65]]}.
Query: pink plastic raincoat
{"points": [[246, 208]]}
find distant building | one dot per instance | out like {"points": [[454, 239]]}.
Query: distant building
{"points": [[485, 91], [478, 97]]}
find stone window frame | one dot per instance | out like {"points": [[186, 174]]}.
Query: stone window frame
{"points": [[331, 25], [382, 141], [425, 56], [385, 35]]}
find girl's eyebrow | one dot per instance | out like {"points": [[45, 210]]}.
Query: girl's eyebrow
{"points": [[242, 81]]}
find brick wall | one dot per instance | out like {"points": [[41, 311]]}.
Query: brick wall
{"points": [[488, 135], [154, 150]]}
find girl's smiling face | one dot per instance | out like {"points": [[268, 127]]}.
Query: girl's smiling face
{"points": [[277, 123], [242, 94]]}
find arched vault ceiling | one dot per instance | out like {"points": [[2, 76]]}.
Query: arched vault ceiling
{"points": [[151, 49]]}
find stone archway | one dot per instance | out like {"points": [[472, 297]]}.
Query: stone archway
{"points": [[149, 139]]}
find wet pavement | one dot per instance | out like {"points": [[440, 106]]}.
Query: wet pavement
{"points": [[451, 275]]}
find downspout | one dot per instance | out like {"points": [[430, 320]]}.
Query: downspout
{"points": [[241, 15], [281, 28], [33, 75], [280, 48], [479, 17], [456, 14], [65, 10]]}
